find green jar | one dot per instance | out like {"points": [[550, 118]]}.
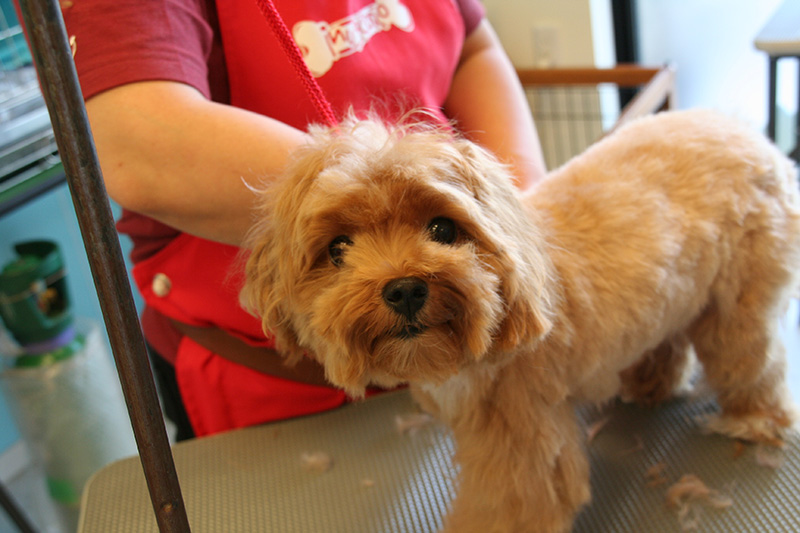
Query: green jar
{"points": [[34, 302]]}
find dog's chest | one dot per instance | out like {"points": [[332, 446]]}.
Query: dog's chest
{"points": [[459, 393]]}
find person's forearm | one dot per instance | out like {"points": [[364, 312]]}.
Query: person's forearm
{"points": [[489, 106], [170, 154]]}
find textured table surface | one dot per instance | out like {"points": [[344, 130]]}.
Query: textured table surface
{"points": [[254, 480]]}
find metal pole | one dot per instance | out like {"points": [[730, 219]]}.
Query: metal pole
{"points": [[772, 97], [795, 153], [14, 512], [59, 81]]}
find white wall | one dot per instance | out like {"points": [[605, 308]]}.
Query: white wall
{"points": [[711, 44], [581, 39], [568, 33], [709, 41]]}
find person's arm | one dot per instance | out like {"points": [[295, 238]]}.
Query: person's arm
{"points": [[169, 153], [489, 106]]}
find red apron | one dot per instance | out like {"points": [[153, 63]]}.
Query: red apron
{"points": [[363, 53]]}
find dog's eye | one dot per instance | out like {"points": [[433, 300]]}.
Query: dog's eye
{"points": [[443, 230], [337, 248]]}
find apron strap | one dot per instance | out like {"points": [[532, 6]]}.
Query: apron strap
{"points": [[295, 57], [262, 359]]}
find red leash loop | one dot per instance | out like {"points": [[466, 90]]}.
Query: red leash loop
{"points": [[292, 51]]}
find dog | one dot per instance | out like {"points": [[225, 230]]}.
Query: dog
{"points": [[404, 255]]}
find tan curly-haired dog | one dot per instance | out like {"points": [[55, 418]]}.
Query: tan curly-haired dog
{"points": [[399, 255]]}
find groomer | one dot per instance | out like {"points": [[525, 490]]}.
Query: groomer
{"points": [[192, 101]]}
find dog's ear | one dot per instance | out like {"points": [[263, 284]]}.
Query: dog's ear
{"points": [[528, 313], [513, 248], [277, 259], [264, 293]]}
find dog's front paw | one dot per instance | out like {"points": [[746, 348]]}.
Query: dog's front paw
{"points": [[483, 521], [530, 477]]}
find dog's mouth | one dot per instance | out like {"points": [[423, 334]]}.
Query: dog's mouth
{"points": [[410, 331]]}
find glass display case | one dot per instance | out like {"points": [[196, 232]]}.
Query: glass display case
{"points": [[29, 162]]}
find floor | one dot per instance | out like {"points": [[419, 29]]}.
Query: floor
{"points": [[29, 490]]}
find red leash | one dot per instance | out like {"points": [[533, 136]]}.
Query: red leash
{"points": [[292, 51]]}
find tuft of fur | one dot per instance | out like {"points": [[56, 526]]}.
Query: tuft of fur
{"points": [[678, 234]]}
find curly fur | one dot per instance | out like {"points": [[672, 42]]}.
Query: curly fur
{"points": [[679, 232]]}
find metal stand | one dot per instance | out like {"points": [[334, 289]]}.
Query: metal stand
{"points": [[53, 59], [14, 512]]}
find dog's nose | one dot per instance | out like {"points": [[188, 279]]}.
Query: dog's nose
{"points": [[406, 296]]}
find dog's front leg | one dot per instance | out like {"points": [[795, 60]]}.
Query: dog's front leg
{"points": [[521, 471]]}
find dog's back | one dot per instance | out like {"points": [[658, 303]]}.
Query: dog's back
{"points": [[669, 220]]}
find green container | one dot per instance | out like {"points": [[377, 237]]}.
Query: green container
{"points": [[52, 357], [34, 303]]}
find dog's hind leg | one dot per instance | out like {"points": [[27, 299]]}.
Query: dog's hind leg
{"points": [[660, 373], [744, 363]]}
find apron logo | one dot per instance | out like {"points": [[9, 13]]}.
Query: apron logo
{"points": [[322, 44]]}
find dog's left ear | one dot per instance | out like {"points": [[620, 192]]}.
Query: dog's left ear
{"points": [[513, 247]]}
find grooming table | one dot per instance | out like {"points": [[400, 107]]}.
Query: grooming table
{"points": [[253, 480]]}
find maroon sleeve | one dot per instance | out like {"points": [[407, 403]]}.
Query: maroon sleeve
{"points": [[123, 41], [473, 13]]}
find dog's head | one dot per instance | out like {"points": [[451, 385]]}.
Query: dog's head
{"points": [[396, 255]]}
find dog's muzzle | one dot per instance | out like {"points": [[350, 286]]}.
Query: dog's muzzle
{"points": [[406, 296]]}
